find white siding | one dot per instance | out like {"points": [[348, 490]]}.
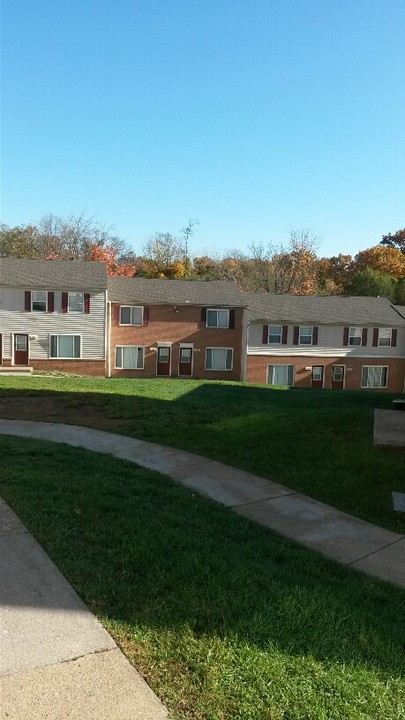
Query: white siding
{"points": [[14, 319], [330, 344]]}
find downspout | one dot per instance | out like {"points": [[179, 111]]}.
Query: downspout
{"points": [[108, 324], [244, 345]]}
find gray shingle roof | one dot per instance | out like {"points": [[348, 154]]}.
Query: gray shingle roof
{"points": [[177, 292], [400, 309], [52, 274], [334, 309]]}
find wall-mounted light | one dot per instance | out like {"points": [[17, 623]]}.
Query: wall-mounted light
{"points": [[176, 309]]}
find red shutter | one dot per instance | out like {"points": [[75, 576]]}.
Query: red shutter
{"points": [[116, 314], [86, 303], [51, 302], [364, 337], [285, 335], [64, 302], [345, 336], [296, 335], [375, 337], [203, 317], [265, 337], [146, 316], [232, 319], [27, 301], [394, 337], [315, 336]]}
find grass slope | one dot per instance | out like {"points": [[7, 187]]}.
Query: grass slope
{"points": [[226, 620], [317, 442]]}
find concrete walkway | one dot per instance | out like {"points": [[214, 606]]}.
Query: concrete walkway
{"points": [[389, 428], [56, 660]]}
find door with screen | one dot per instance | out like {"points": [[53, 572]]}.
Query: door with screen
{"points": [[185, 361], [163, 361], [338, 376], [20, 349], [317, 376]]}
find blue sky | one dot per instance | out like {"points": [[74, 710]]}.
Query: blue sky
{"points": [[250, 116]]}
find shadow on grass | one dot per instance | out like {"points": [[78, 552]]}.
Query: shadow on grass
{"points": [[146, 553]]}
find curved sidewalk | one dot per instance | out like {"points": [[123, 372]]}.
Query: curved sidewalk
{"points": [[342, 537]]}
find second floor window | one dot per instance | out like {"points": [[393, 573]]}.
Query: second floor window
{"points": [[275, 332], [384, 337], [131, 315], [217, 318], [305, 335], [355, 335], [75, 302], [39, 301]]}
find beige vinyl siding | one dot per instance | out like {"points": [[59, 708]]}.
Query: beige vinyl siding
{"points": [[14, 319], [330, 343]]}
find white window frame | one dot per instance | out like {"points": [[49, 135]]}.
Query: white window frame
{"points": [[225, 369], [131, 308], [305, 327], [275, 342], [378, 387], [388, 336], [33, 300], [217, 311], [122, 347], [270, 369], [354, 334], [75, 312], [60, 357]]}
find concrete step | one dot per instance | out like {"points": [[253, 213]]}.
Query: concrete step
{"points": [[22, 370]]}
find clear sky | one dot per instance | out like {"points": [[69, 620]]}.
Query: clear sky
{"points": [[251, 116]]}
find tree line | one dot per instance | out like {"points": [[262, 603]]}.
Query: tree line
{"points": [[293, 268]]}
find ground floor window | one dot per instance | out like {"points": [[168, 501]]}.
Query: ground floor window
{"points": [[218, 358], [280, 375], [129, 357], [374, 376], [66, 347]]}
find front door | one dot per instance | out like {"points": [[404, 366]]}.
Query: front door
{"points": [[20, 349], [1, 349], [338, 376], [185, 361], [163, 361], [317, 376]]}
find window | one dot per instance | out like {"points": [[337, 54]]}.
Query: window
{"points": [[217, 318], [280, 375], [131, 315], [275, 333], [305, 336], [384, 337], [75, 302], [218, 358], [374, 376], [355, 335], [185, 355], [39, 301], [65, 346], [129, 357]]}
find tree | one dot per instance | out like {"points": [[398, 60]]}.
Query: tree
{"points": [[163, 250], [397, 240], [387, 260], [109, 257], [373, 283], [21, 241], [334, 274]]}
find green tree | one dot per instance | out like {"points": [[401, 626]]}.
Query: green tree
{"points": [[373, 283]]}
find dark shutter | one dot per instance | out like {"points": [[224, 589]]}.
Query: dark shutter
{"points": [[364, 337], [203, 316], [116, 314], [345, 336], [51, 302], [315, 336], [64, 302], [265, 337], [27, 301], [232, 319], [146, 316], [285, 335], [86, 303], [375, 337], [394, 337], [296, 335]]}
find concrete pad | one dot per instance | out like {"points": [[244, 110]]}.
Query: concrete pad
{"points": [[43, 620], [389, 428], [10, 524], [320, 527], [103, 686], [226, 484], [387, 564]]}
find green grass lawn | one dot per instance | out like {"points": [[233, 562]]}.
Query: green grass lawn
{"points": [[317, 442], [225, 620]]}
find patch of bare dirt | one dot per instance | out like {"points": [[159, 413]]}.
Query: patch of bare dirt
{"points": [[55, 409]]}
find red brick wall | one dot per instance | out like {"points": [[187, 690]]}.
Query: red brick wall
{"points": [[77, 367], [184, 326], [257, 370]]}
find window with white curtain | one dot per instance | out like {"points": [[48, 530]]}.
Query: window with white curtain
{"points": [[355, 335], [280, 375], [39, 301], [65, 346], [218, 358], [129, 357], [384, 337], [374, 376]]}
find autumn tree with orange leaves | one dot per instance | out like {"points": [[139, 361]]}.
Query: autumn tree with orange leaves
{"points": [[108, 256], [384, 259]]}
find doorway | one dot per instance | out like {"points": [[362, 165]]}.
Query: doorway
{"points": [[338, 377], [185, 361], [163, 361], [317, 376], [20, 349]]}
